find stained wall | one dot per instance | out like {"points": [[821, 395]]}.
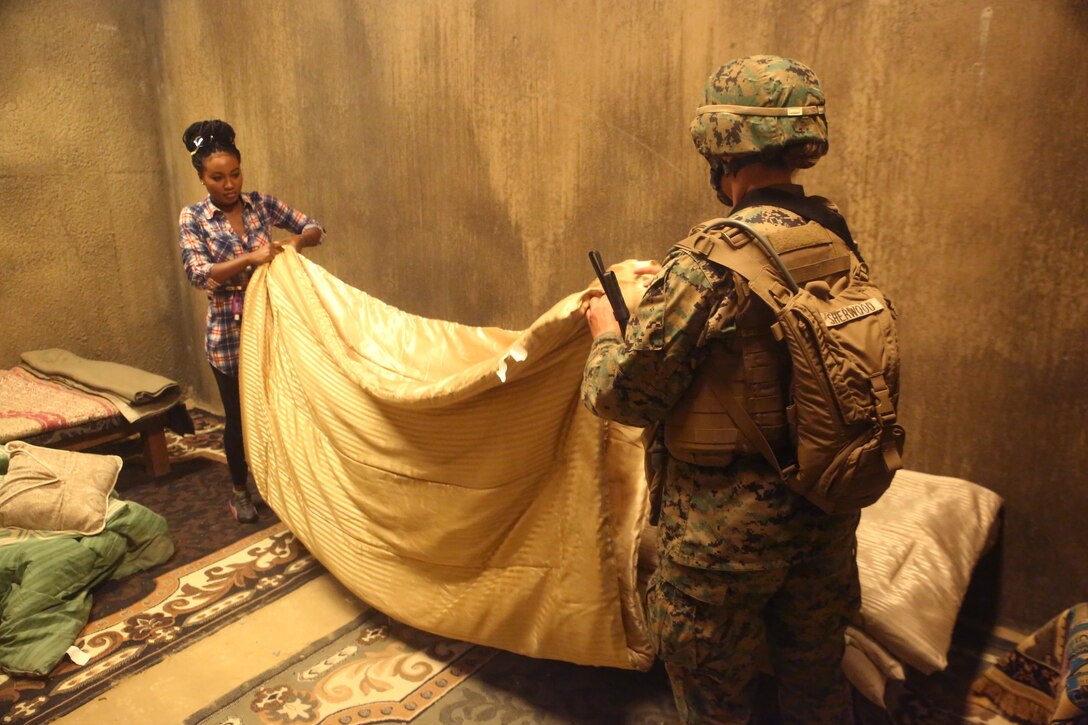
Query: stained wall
{"points": [[465, 155], [85, 259]]}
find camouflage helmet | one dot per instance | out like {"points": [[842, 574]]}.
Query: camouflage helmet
{"points": [[761, 104]]}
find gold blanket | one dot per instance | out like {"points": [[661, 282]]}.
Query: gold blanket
{"points": [[448, 475]]}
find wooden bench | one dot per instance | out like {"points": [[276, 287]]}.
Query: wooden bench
{"points": [[152, 432]]}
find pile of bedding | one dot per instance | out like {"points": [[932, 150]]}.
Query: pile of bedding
{"points": [[450, 477], [54, 394], [917, 548], [62, 532]]}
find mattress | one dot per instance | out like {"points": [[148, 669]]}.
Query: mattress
{"points": [[34, 407]]}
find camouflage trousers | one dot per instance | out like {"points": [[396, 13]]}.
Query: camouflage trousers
{"points": [[715, 630]]}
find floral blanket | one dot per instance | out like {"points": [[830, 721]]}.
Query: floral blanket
{"points": [[30, 405]]}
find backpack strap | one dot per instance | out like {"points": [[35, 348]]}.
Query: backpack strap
{"points": [[813, 208], [748, 427], [725, 246], [727, 242]]}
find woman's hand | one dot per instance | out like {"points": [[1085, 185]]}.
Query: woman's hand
{"points": [[223, 272], [265, 254], [311, 237], [600, 318]]}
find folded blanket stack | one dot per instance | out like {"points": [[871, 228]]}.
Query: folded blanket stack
{"points": [[134, 385]]}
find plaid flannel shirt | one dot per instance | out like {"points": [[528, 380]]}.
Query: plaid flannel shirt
{"points": [[206, 238]]}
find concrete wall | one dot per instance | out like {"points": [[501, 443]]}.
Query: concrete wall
{"points": [[86, 261], [465, 155]]}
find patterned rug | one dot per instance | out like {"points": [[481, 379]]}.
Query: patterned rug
{"points": [[377, 670], [220, 571], [205, 442], [374, 669]]}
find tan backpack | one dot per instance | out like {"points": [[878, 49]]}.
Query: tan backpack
{"points": [[844, 383]]}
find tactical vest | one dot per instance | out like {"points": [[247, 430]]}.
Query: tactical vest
{"points": [[746, 374]]}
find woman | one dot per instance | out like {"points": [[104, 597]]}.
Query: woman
{"points": [[223, 239]]}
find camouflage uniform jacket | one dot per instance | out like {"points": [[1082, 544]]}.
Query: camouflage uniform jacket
{"points": [[737, 518]]}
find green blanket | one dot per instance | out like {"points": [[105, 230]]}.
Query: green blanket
{"points": [[46, 582]]}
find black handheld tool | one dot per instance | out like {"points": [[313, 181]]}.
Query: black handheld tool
{"points": [[611, 290]]}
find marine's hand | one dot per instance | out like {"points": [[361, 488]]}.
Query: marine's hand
{"points": [[651, 269], [600, 318]]}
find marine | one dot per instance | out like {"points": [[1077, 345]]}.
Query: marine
{"points": [[753, 576]]}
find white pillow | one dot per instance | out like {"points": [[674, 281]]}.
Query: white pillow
{"points": [[917, 547], [55, 490]]}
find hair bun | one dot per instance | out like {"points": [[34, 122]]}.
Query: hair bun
{"points": [[201, 133], [221, 131], [204, 138]]}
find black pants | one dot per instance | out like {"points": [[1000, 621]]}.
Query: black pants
{"points": [[232, 430]]}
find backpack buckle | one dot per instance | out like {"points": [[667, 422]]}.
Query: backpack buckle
{"points": [[704, 242], [734, 237], [780, 293], [884, 407]]}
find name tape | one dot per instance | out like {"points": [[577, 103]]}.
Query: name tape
{"points": [[853, 312]]}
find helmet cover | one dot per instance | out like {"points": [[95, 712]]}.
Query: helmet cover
{"points": [[761, 104]]}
